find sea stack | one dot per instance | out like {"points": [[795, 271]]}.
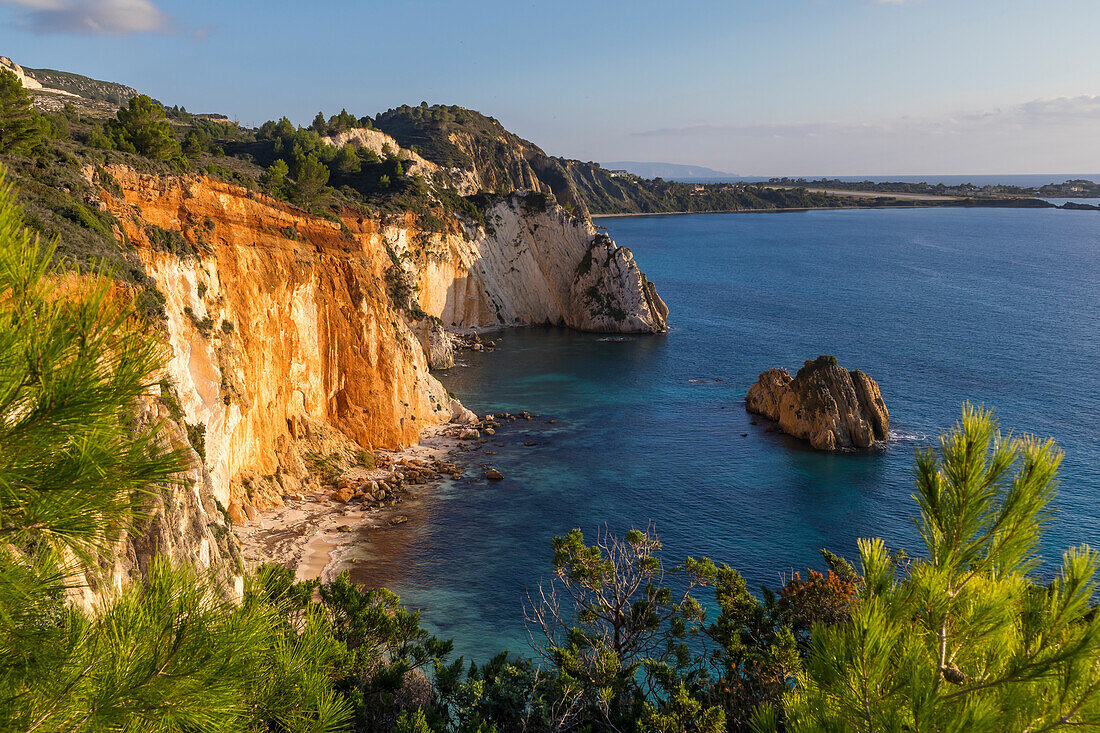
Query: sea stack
{"points": [[827, 405]]}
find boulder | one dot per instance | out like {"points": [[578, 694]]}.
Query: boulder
{"points": [[494, 475], [824, 404], [460, 415], [343, 495]]}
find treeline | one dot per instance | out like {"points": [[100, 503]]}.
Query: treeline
{"points": [[606, 194], [962, 637], [427, 130], [304, 163], [1076, 188]]}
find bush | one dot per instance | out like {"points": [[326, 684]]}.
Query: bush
{"points": [[196, 436], [168, 240]]}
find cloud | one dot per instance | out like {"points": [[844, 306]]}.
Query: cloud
{"points": [[1038, 114], [92, 17]]}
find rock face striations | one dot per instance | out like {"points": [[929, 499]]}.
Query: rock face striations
{"points": [[283, 327], [825, 404]]}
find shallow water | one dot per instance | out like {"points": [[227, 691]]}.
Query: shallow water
{"points": [[1001, 307]]}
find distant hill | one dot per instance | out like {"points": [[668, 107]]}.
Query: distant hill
{"points": [[668, 171], [500, 161], [83, 86]]}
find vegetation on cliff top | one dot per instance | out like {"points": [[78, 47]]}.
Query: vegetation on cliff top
{"points": [[430, 130]]}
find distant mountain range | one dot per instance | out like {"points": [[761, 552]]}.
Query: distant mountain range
{"points": [[670, 171]]}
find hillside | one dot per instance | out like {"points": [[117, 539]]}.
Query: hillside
{"points": [[501, 161], [83, 86]]}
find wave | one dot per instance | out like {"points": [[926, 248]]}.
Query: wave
{"points": [[901, 436]]}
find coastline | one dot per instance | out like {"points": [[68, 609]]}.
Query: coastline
{"points": [[950, 204], [771, 211], [314, 535]]}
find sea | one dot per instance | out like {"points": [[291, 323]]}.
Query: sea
{"points": [[998, 307]]}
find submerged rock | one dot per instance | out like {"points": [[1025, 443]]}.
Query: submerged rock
{"points": [[824, 403]]}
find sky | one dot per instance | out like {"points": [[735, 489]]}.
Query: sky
{"points": [[754, 87]]}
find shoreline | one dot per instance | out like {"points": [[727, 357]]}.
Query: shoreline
{"points": [[771, 211], [315, 534], [928, 205]]}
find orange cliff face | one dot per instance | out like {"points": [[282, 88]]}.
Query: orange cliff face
{"points": [[282, 321], [283, 325]]}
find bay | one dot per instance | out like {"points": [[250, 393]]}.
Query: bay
{"points": [[1000, 307]]}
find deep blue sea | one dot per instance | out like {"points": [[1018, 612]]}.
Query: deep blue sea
{"points": [[998, 306]]}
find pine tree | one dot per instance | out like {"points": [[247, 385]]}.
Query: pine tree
{"points": [[310, 177], [142, 128], [347, 163], [20, 126], [274, 178], [967, 638]]}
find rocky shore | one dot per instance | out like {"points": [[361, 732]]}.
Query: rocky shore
{"points": [[316, 533], [311, 532]]}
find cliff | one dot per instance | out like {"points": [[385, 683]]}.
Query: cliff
{"points": [[824, 404], [293, 336], [533, 264]]}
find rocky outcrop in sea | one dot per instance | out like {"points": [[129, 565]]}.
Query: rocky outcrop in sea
{"points": [[824, 403]]}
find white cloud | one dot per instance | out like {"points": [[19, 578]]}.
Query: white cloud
{"points": [[93, 17]]}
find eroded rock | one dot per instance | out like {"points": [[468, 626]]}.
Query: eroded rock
{"points": [[824, 404]]}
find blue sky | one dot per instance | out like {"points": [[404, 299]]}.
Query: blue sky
{"points": [[841, 87]]}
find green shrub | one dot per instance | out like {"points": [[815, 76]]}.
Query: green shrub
{"points": [[169, 240], [196, 436]]}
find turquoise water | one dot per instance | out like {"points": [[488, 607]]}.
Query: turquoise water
{"points": [[1000, 307]]}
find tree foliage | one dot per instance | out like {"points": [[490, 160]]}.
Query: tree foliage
{"points": [[965, 637], [143, 128], [310, 177], [21, 128]]}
